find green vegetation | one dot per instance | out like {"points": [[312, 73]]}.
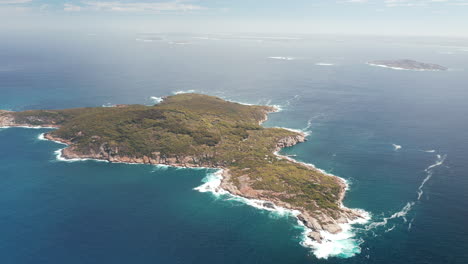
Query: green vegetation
{"points": [[197, 130]]}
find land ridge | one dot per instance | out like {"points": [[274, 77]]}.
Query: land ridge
{"points": [[193, 130]]}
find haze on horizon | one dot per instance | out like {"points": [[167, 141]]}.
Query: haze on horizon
{"points": [[354, 17]]}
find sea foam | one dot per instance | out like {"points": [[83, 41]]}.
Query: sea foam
{"points": [[396, 147], [182, 92], [409, 205], [282, 58], [342, 245], [156, 99]]}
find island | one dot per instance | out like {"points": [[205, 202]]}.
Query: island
{"points": [[407, 65], [194, 130]]}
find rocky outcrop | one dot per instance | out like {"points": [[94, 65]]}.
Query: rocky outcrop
{"points": [[291, 140], [6, 119]]}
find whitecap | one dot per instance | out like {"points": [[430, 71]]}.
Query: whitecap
{"points": [[41, 136], [396, 147], [343, 244], [282, 58], [324, 64], [156, 99], [182, 92], [108, 105], [430, 151]]}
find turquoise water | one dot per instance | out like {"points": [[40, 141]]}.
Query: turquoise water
{"points": [[96, 212]]}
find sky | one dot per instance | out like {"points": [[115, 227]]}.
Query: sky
{"points": [[373, 17]]}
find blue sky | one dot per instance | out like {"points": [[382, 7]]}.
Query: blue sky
{"points": [[386, 17]]}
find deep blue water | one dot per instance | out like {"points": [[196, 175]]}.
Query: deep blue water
{"points": [[95, 212]]}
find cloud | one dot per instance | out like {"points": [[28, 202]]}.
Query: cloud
{"points": [[141, 6], [13, 2], [71, 8], [397, 3], [356, 1]]}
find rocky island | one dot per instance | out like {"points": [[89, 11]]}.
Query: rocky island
{"points": [[407, 65], [193, 130]]}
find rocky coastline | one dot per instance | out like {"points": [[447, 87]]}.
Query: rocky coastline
{"points": [[315, 222]]}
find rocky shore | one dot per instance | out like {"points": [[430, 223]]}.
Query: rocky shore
{"points": [[317, 222]]}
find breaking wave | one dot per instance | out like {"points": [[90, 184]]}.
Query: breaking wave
{"points": [[343, 244], [182, 92], [324, 64], [156, 99], [396, 147], [282, 58]]}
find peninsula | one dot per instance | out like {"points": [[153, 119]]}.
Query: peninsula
{"points": [[407, 65], [194, 130]]}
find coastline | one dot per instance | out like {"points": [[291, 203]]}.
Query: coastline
{"points": [[316, 235]]}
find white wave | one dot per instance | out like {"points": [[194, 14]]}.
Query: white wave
{"points": [[342, 244], [108, 105], [307, 130], [156, 99], [410, 224], [396, 147], [182, 92], [41, 137], [430, 151], [59, 157], [324, 64], [390, 229], [282, 58]]}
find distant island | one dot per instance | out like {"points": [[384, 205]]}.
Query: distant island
{"points": [[194, 130], [407, 65]]}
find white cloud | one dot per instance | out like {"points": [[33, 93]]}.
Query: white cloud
{"points": [[71, 8], [8, 2], [356, 1], [397, 3], [141, 6]]}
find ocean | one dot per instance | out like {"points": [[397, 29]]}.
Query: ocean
{"points": [[397, 137]]}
